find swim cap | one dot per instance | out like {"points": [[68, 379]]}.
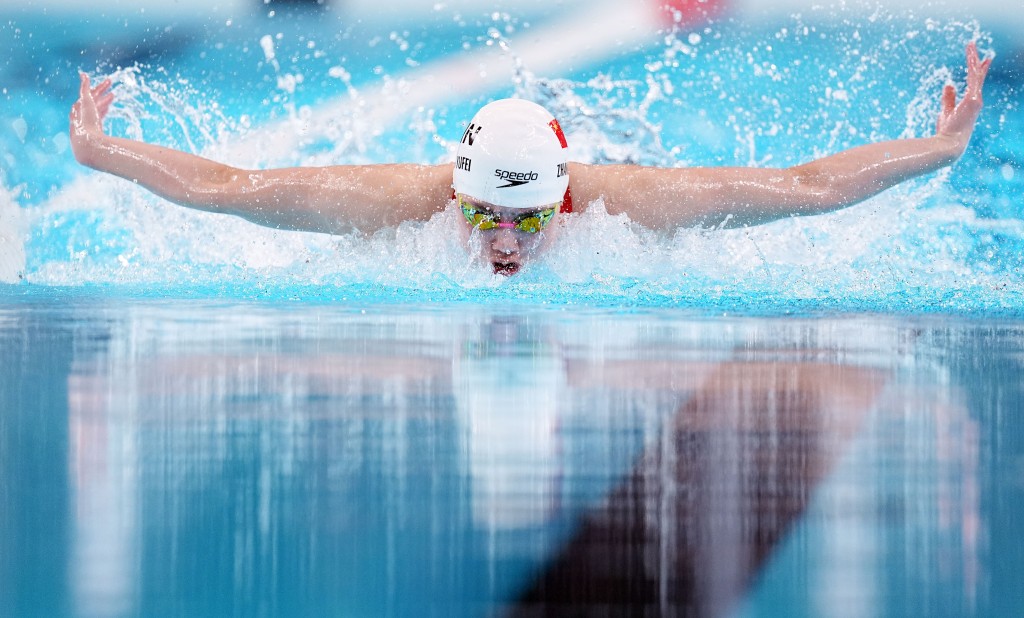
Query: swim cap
{"points": [[513, 154]]}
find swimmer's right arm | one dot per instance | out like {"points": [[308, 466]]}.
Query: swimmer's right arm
{"points": [[326, 199]]}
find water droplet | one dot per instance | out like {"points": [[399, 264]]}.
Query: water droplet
{"points": [[20, 128]]}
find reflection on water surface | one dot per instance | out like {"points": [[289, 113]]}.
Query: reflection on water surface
{"points": [[211, 460]]}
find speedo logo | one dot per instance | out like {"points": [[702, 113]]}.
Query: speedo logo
{"points": [[514, 179]]}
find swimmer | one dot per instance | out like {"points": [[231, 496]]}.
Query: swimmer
{"points": [[511, 179]]}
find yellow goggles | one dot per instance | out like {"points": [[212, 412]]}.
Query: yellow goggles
{"points": [[529, 222]]}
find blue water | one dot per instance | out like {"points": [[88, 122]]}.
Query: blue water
{"points": [[199, 416], [727, 94], [213, 458]]}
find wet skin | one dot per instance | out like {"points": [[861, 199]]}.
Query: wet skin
{"points": [[508, 249]]}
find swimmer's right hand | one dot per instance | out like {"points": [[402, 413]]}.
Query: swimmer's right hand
{"points": [[87, 117]]}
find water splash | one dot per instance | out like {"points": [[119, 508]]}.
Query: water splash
{"points": [[722, 95], [12, 234], [152, 105]]}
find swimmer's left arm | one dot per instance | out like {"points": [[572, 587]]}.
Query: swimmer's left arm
{"points": [[732, 196], [666, 198]]}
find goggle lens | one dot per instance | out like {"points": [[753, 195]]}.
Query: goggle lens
{"points": [[530, 223]]}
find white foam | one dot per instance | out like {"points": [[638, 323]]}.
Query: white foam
{"points": [[12, 237], [138, 238]]}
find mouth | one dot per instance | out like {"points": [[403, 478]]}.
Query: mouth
{"points": [[506, 268]]}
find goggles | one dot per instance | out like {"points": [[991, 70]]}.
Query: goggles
{"points": [[529, 222]]}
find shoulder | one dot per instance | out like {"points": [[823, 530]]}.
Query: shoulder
{"points": [[619, 185], [585, 184], [655, 197]]}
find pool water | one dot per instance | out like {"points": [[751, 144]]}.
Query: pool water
{"points": [[198, 416], [227, 458], [287, 90]]}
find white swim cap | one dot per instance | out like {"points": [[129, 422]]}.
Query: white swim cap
{"points": [[513, 154]]}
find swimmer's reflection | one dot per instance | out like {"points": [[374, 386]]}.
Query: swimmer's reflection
{"points": [[731, 469], [684, 473], [510, 394]]}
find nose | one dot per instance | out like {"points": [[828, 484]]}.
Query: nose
{"points": [[505, 242]]}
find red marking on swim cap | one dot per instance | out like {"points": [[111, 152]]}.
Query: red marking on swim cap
{"points": [[566, 201], [557, 128], [678, 13]]}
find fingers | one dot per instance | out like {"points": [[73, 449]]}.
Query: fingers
{"points": [[76, 107], [103, 104], [982, 71], [948, 99], [83, 88], [94, 101], [972, 53], [102, 88], [94, 92], [977, 69], [86, 105]]}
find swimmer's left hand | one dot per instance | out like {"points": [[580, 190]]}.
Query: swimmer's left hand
{"points": [[956, 120]]}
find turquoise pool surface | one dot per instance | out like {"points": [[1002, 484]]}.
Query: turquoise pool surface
{"points": [[201, 417], [249, 458]]}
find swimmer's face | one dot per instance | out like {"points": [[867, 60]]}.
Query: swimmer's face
{"points": [[507, 248]]}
